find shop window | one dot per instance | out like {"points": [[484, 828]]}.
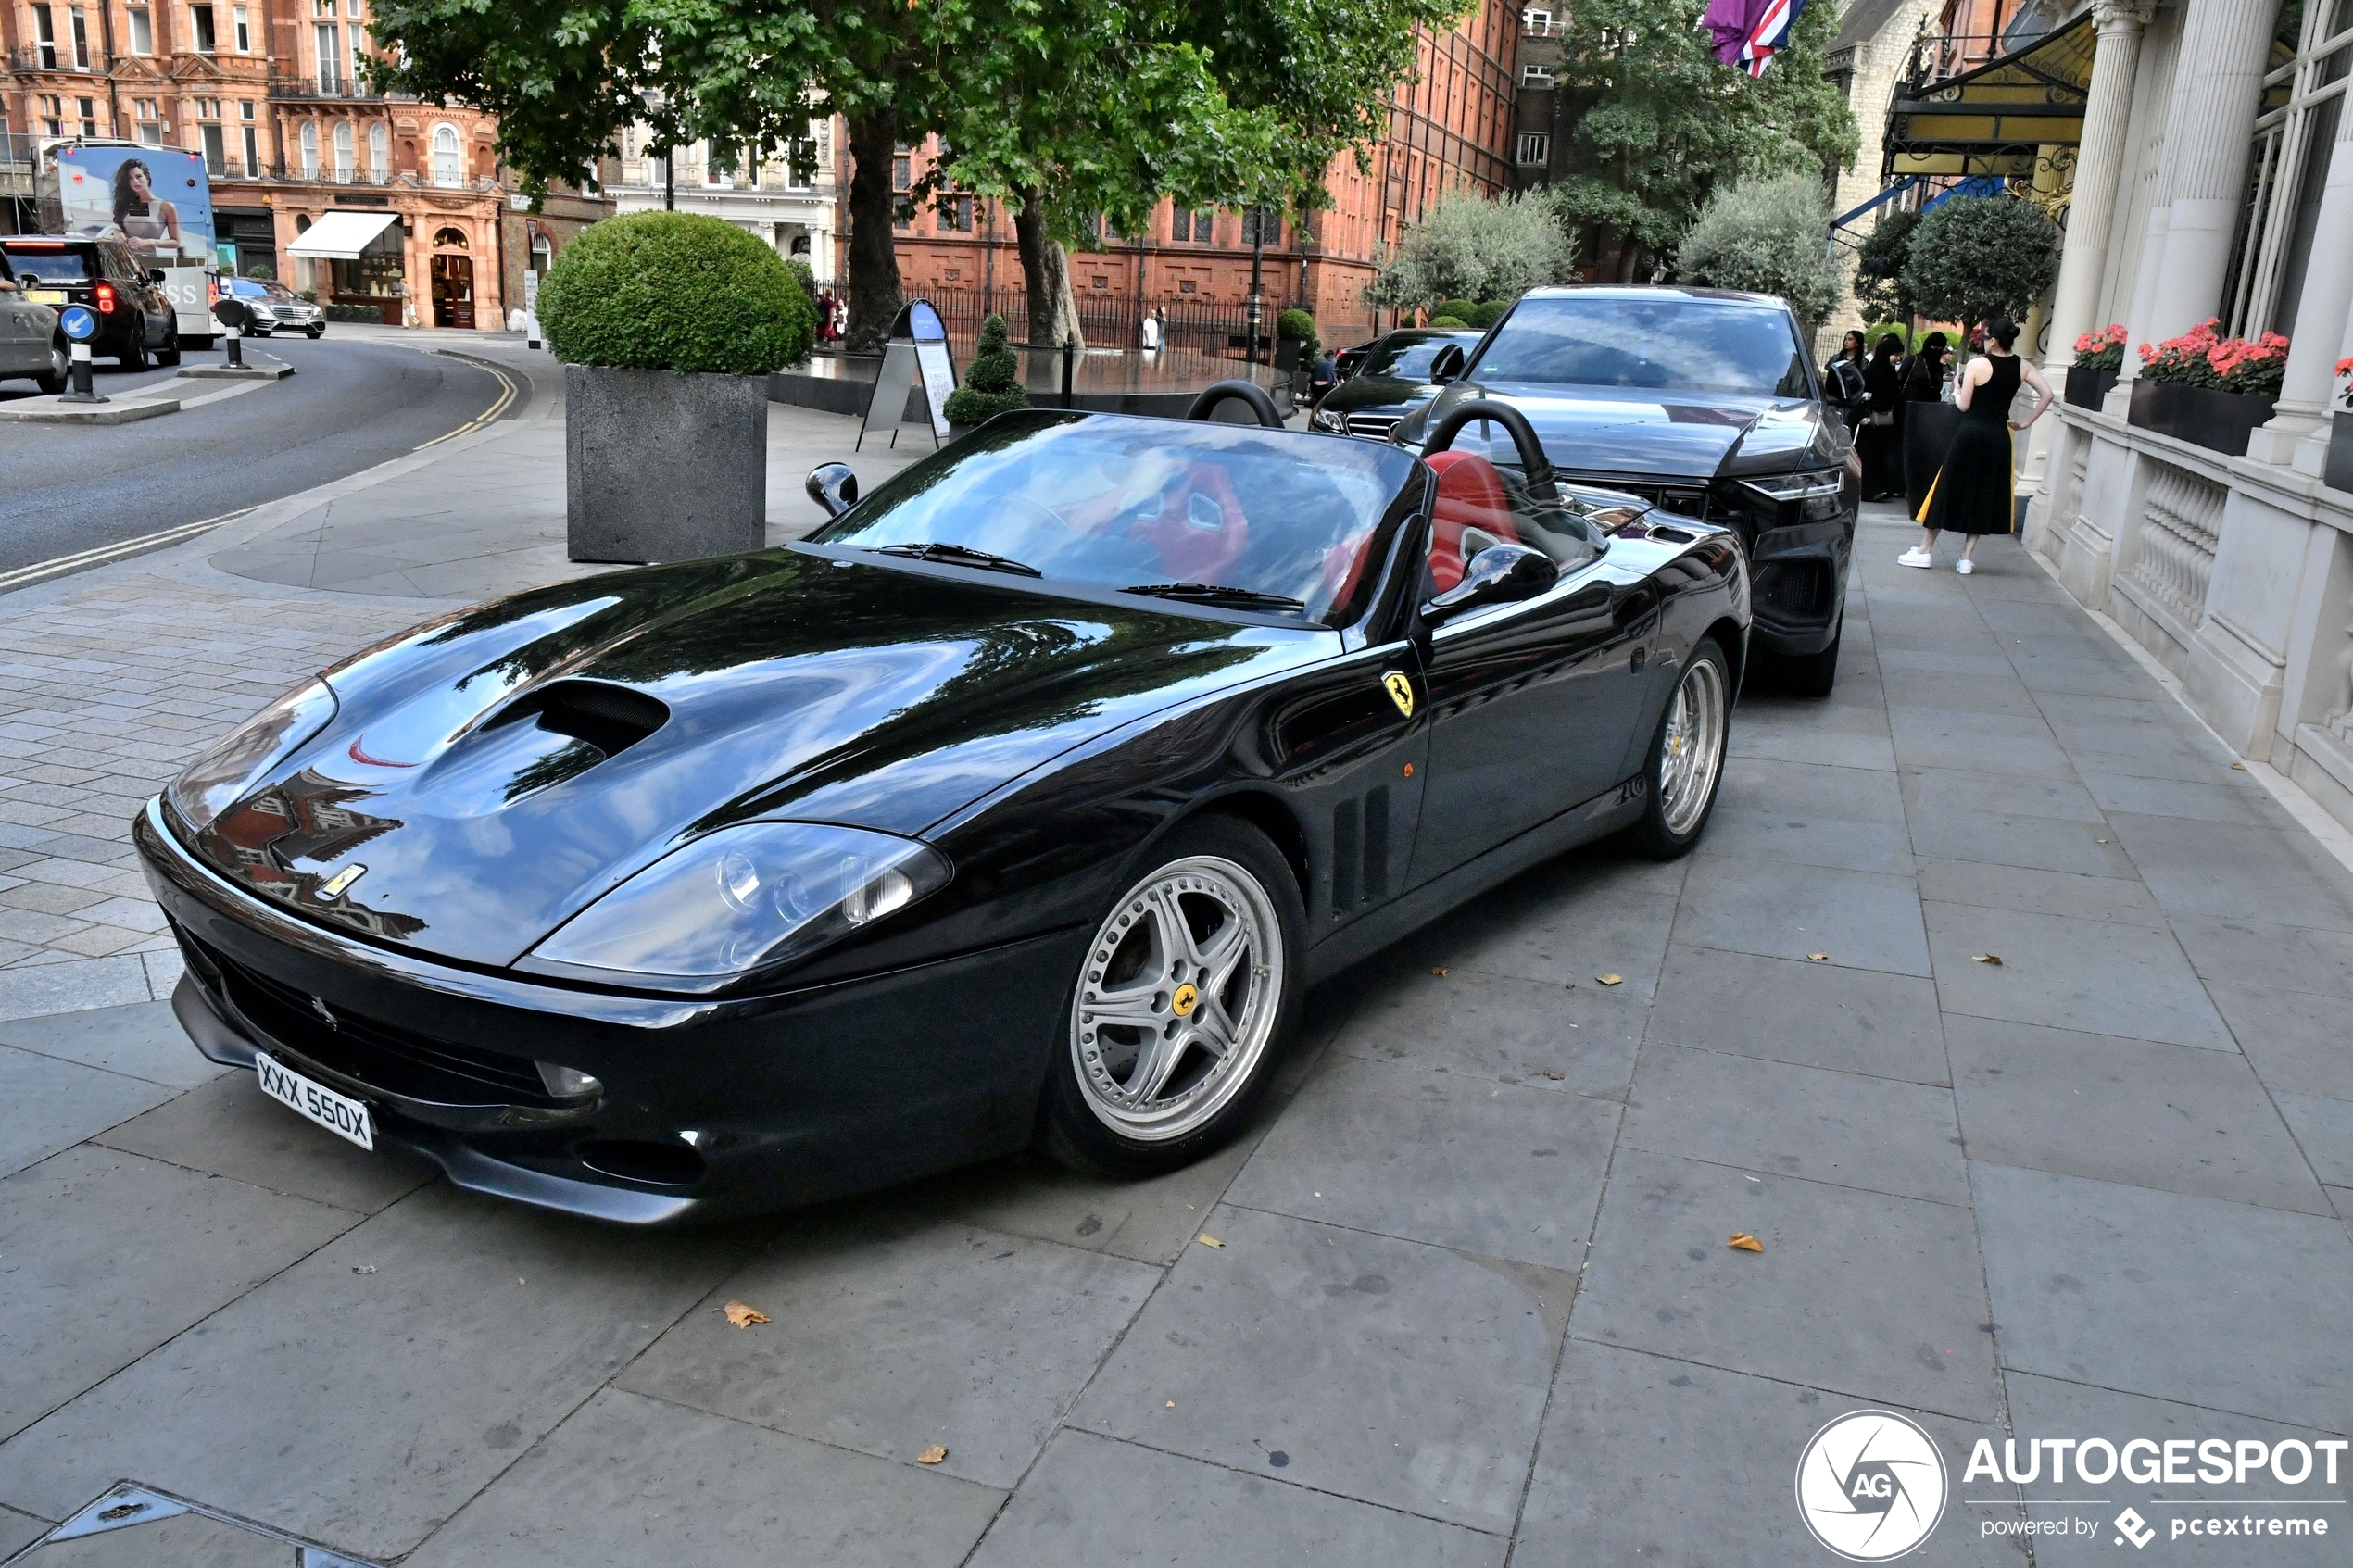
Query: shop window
{"points": [[2303, 93]]}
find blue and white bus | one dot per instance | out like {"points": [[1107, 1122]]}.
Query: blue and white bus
{"points": [[157, 200]]}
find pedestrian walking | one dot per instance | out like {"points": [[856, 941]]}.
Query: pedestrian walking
{"points": [[1971, 493], [1151, 330], [1879, 439]]}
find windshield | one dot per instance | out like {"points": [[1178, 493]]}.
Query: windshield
{"points": [[1664, 341], [1405, 358], [1111, 501], [50, 265]]}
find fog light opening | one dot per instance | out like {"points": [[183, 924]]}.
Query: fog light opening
{"points": [[633, 1159], [570, 1082]]}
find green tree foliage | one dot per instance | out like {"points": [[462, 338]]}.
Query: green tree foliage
{"points": [[1878, 268], [992, 384], [1298, 327], [1975, 257], [1660, 122], [672, 290], [1448, 323], [1466, 246], [1765, 235], [1488, 312]]}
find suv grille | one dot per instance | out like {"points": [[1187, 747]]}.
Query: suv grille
{"points": [[381, 1055]]}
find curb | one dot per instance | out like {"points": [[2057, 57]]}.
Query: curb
{"points": [[119, 414], [238, 372]]}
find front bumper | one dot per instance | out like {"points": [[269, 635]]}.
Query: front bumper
{"points": [[709, 1107], [1798, 585]]}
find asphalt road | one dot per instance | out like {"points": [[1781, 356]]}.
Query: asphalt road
{"points": [[66, 490]]}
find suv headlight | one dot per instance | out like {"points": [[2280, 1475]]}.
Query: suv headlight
{"points": [[742, 898], [220, 777], [1814, 495]]}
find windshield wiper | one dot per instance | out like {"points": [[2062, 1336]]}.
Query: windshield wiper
{"points": [[1215, 594], [958, 555]]}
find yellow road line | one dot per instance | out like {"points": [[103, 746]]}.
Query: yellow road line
{"points": [[507, 390], [25, 575]]}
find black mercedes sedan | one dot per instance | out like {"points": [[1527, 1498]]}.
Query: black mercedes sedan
{"points": [[1396, 376], [1017, 804], [1704, 402]]}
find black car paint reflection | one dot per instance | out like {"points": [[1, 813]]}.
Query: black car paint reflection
{"points": [[499, 769]]}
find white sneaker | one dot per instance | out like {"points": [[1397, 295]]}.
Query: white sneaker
{"points": [[1966, 566], [1916, 557]]}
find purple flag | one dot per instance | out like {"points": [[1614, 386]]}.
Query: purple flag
{"points": [[1748, 33]]}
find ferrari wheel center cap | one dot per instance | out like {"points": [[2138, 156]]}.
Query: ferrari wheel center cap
{"points": [[1184, 1001]]}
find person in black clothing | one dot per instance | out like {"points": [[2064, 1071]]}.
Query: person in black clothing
{"points": [[1971, 494], [1850, 354], [1880, 440], [1926, 381]]}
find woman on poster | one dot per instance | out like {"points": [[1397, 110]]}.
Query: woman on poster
{"points": [[150, 223]]}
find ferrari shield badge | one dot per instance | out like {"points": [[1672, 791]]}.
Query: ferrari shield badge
{"points": [[1401, 690]]}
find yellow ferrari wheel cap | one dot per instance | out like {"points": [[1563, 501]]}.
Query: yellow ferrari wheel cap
{"points": [[1401, 690], [1184, 1001]]}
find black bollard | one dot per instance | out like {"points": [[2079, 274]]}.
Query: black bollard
{"points": [[77, 373], [1070, 367], [236, 350]]}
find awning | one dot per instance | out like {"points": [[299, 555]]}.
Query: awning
{"points": [[342, 235], [2000, 119]]}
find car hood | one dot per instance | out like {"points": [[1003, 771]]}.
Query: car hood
{"points": [[497, 769], [1363, 394], [1694, 437]]}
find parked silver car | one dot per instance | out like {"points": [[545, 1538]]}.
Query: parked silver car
{"points": [[30, 341], [273, 307]]}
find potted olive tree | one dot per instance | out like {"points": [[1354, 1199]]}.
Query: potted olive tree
{"points": [[668, 324]]}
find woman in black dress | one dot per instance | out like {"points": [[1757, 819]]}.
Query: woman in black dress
{"points": [[1971, 492], [1879, 439]]}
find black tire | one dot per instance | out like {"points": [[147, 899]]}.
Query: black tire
{"points": [[1812, 674], [134, 355], [55, 380], [1667, 829], [170, 353], [1072, 1128]]}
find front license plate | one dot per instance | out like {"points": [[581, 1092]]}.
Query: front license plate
{"points": [[339, 1114], [46, 296]]}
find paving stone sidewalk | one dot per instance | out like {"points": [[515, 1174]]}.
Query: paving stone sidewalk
{"points": [[1473, 1302]]}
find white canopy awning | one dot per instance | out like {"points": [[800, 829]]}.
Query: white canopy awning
{"points": [[342, 235]]}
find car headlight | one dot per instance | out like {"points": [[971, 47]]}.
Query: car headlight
{"points": [[1813, 495], [219, 778], [742, 898]]}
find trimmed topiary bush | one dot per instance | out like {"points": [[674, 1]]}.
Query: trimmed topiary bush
{"points": [[1448, 323], [992, 385], [1488, 312], [1298, 327], [1461, 310], [674, 291]]}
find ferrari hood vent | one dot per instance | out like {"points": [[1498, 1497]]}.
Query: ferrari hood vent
{"points": [[612, 718]]}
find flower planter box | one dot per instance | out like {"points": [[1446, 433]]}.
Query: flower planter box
{"points": [[2219, 421], [2088, 388], [2338, 475], [660, 466]]}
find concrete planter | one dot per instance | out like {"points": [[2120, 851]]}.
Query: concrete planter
{"points": [[2088, 389], [660, 466], [2219, 421], [2338, 475]]}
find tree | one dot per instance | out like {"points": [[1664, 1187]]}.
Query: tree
{"points": [[1878, 268], [1975, 257], [1470, 247], [1660, 122], [1768, 236]]}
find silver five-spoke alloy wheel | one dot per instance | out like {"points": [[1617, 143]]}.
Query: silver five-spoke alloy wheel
{"points": [[1694, 749], [1178, 998]]}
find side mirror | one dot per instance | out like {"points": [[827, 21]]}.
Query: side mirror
{"points": [[1448, 366], [834, 486], [155, 275], [1498, 574]]}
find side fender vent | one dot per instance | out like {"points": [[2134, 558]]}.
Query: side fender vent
{"points": [[1360, 851], [612, 718]]}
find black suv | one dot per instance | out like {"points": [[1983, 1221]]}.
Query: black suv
{"points": [[1704, 402], [136, 323]]}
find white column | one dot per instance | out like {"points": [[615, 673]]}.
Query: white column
{"points": [[2322, 326], [2209, 132], [2099, 168]]}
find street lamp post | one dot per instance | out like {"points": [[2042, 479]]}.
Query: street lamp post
{"points": [[1257, 276]]}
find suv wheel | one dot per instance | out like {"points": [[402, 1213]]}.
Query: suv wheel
{"points": [[134, 350], [170, 353]]}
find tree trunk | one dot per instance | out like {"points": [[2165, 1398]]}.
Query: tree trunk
{"points": [[1054, 309], [874, 298]]}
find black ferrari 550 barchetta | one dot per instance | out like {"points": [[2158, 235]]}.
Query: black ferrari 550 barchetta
{"points": [[1019, 803]]}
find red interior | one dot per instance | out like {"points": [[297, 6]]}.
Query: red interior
{"points": [[1470, 494]]}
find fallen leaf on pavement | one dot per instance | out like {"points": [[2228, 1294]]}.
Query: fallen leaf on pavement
{"points": [[742, 1316], [2238, 767], [1993, 958], [1555, 1077], [932, 1455], [1439, 969], [363, 1268], [1210, 1241], [1817, 957], [1746, 1242], [1611, 979]]}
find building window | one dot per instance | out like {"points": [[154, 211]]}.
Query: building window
{"points": [[1261, 226], [449, 239], [1197, 227], [81, 22], [1535, 148], [311, 149], [446, 170], [380, 152], [345, 157], [902, 174], [241, 28], [142, 31], [800, 163], [216, 150], [253, 144], [150, 122], [2303, 101], [323, 8], [200, 19], [1536, 76], [52, 110], [88, 110], [45, 37], [328, 39], [956, 215], [1538, 24]]}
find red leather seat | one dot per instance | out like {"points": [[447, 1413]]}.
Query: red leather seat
{"points": [[1470, 494]]}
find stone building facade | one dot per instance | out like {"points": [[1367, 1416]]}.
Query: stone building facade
{"points": [[792, 203], [2215, 177], [271, 94]]}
